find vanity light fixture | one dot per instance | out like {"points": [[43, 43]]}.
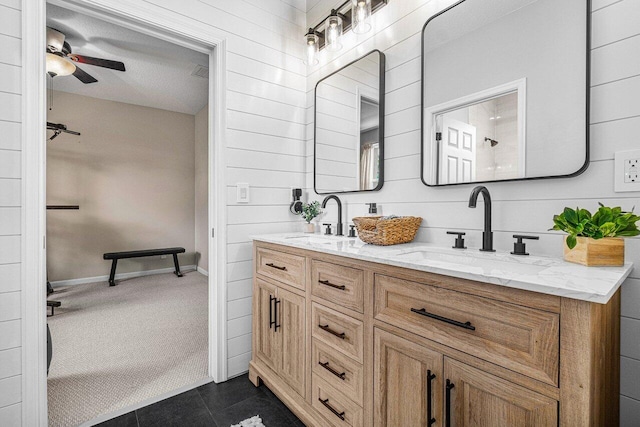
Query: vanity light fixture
{"points": [[361, 12], [350, 15], [333, 31], [312, 42]]}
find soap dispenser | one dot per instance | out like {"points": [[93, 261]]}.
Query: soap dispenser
{"points": [[373, 209]]}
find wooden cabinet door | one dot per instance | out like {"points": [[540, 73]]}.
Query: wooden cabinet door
{"points": [[291, 329], [474, 398], [267, 342], [408, 383]]}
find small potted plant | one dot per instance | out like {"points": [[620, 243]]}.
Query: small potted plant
{"points": [[596, 240], [309, 212]]}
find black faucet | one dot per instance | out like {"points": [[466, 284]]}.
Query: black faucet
{"points": [[487, 235], [324, 205]]}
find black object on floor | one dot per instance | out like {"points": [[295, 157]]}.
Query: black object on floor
{"points": [[213, 405], [53, 304], [115, 256]]}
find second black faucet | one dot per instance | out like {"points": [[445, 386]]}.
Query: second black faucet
{"points": [[324, 205]]}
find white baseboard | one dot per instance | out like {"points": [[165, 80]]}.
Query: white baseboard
{"points": [[203, 271], [120, 276]]}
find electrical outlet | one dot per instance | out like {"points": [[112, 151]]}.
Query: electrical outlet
{"points": [[631, 170], [627, 171]]}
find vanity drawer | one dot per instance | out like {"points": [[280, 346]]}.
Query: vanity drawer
{"points": [[338, 330], [338, 370], [336, 407], [519, 338], [281, 266], [338, 284]]}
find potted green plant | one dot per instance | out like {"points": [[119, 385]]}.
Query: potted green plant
{"points": [[309, 212], [596, 239]]}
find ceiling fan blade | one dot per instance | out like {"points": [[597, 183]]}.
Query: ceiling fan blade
{"points": [[83, 76], [106, 63]]}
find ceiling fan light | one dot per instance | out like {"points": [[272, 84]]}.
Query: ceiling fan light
{"points": [[58, 66], [55, 40]]}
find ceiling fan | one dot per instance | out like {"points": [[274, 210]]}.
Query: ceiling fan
{"points": [[61, 61]]}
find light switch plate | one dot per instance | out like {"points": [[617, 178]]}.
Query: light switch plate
{"points": [[242, 192], [627, 171]]}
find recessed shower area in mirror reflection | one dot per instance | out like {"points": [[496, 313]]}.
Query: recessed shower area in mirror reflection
{"points": [[505, 91], [483, 141], [349, 121]]}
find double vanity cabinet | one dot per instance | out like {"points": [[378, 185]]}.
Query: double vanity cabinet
{"points": [[344, 341]]}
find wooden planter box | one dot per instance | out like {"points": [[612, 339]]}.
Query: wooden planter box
{"points": [[602, 252]]}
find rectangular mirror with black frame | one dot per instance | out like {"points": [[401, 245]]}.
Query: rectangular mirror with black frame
{"points": [[349, 127], [505, 91]]}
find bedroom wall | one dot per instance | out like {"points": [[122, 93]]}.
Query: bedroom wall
{"points": [[132, 174], [615, 119]]}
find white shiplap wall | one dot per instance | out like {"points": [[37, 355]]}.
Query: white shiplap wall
{"points": [[10, 212], [266, 93], [518, 207]]}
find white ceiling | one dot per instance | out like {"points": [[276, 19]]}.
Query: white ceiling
{"points": [[158, 72]]}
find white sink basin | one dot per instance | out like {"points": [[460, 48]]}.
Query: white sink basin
{"points": [[488, 262]]}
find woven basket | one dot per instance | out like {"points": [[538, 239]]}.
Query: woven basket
{"points": [[385, 232]]}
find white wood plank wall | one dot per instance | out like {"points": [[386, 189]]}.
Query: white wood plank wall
{"points": [[265, 138], [10, 213], [518, 207]]}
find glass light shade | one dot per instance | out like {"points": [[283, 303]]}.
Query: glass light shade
{"points": [[58, 66], [312, 46], [333, 32], [360, 13]]}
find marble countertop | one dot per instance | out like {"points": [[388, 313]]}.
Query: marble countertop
{"points": [[546, 275]]}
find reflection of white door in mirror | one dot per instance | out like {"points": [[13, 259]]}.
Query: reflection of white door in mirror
{"points": [[457, 152], [479, 137]]}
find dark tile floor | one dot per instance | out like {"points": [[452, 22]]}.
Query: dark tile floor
{"points": [[216, 405]]}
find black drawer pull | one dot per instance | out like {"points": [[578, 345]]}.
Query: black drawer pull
{"points": [[424, 312], [328, 283], [326, 328], [272, 265], [430, 377], [329, 407], [326, 366], [448, 403]]}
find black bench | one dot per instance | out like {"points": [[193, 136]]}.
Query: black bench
{"points": [[115, 256]]}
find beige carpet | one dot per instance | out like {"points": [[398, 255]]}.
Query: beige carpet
{"points": [[117, 346]]}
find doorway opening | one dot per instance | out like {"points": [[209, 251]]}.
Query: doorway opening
{"points": [[34, 333]]}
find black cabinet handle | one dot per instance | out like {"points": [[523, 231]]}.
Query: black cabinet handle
{"points": [[272, 265], [326, 328], [275, 320], [271, 321], [430, 378], [448, 403], [325, 402], [423, 312], [326, 366], [328, 283]]}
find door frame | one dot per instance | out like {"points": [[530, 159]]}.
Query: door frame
{"points": [[156, 22]]}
